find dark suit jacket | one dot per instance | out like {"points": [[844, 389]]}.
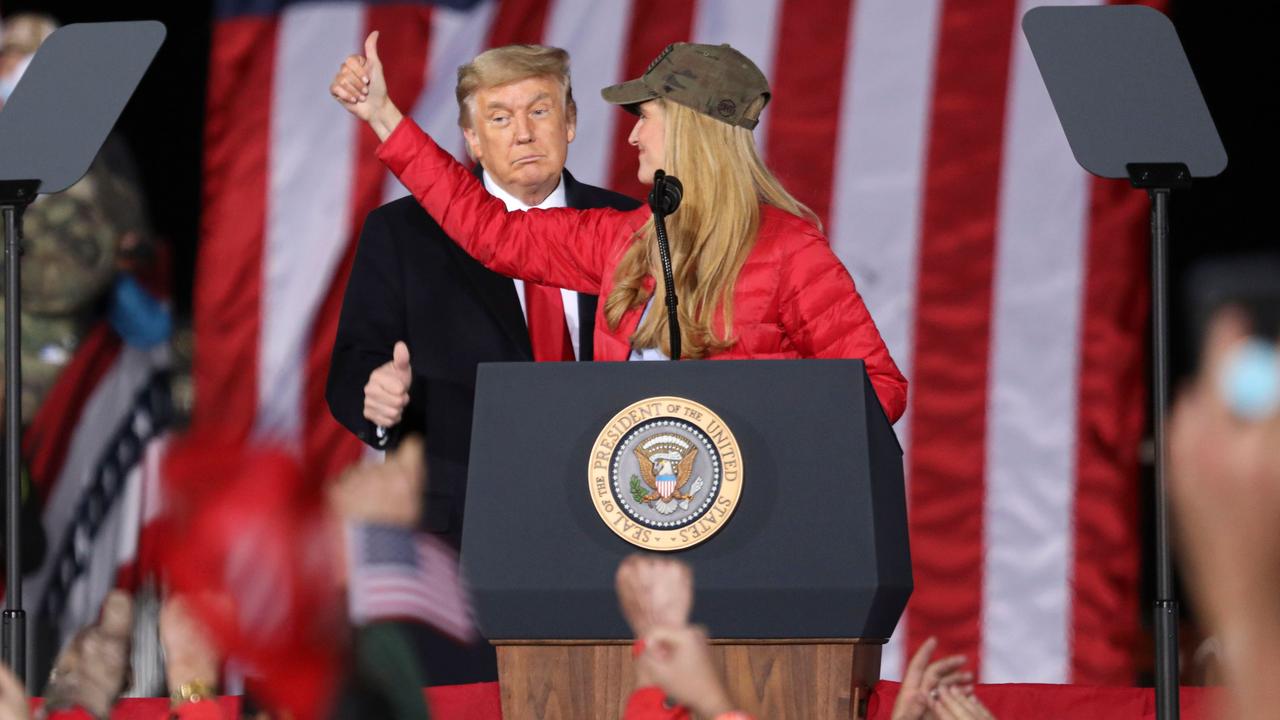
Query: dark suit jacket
{"points": [[410, 282]]}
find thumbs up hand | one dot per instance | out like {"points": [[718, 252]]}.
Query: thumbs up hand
{"points": [[361, 87], [387, 392]]}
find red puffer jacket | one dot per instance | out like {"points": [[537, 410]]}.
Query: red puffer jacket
{"points": [[793, 298]]}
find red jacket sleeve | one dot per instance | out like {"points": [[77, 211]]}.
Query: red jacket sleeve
{"points": [[561, 247], [649, 703], [825, 317]]}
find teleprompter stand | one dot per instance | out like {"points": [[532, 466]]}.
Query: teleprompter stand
{"points": [[1131, 108], [799, 587], [51, 128]]}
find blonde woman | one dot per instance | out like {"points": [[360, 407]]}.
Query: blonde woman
{"points": [[754, 273]]}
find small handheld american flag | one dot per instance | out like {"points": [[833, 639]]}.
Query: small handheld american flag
{"points": [[396, 573]]}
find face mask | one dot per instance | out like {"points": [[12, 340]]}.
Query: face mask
{"points": [[9, 80]]}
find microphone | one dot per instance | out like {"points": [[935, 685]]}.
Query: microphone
{"points": [[666, 193], [664, 199]]}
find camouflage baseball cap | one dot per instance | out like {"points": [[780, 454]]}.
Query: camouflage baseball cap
{"points": [[715, 80]]}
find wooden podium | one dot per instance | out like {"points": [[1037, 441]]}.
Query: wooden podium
{"points": [[827, 679], [812, 565]]}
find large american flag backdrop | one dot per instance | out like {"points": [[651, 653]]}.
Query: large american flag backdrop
{"points": [[1008, 284]]}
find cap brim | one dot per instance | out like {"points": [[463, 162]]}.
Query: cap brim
{"points": [[628, 94]]}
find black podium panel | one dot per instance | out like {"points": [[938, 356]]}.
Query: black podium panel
{"points": [[816, 548]]}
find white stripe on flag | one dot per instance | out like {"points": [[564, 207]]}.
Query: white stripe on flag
{"points": [[309, 201], [153, 479], [133, 500], [595, 34], [114, 545], [752, 32], [878, 187], [102, 416], [143, 499], [456, 37], [1031, 428]]}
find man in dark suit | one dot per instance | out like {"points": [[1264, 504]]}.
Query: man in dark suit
{"points": [[419, 314]]}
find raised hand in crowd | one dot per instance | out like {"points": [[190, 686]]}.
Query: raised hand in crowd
{"points": [[14, 704], [190, 659], [1224, 480], [362, 89], [954, 703], [387, 393], [678, 660], [926, 679], [654, 592], [90, 670], [384, 493]]}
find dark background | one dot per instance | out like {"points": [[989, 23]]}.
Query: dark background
{"points": [[164, 122], [1231, 45]]}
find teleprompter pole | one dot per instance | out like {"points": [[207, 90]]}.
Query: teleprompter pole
{"points": [[14, 196], [1159, 179]]}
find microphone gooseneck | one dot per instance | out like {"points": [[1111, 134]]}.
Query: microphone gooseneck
{"points": [[664, 199]]}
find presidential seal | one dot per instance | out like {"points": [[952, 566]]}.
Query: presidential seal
{"points": [[665, 473]]}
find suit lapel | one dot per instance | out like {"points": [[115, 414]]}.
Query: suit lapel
{"points": [[586, 326], [497, 292]]}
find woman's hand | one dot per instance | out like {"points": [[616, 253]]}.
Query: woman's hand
{"points": [[361, 87], [925, 678]]}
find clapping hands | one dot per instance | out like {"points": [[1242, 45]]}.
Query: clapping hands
{"points": [[937, 689]]}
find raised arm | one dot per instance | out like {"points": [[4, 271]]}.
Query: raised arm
{"points": [[562, 247]]}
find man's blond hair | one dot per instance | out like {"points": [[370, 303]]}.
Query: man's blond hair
{"points": [[508, 64]]}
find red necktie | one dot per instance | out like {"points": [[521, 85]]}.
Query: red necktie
{"points": [[548, 332]]}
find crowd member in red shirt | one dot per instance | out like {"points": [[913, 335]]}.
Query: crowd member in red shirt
{"points": [[676, 679], [755, 275]]}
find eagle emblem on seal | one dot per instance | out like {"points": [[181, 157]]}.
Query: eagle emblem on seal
{"points": [[666, 468]]}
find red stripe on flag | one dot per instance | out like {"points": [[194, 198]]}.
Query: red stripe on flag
{"points": [[405, 32], [953, 323], [807, 84], [229, 275], [45, 442], [518, 21], [1112, 403], [649, 33]]}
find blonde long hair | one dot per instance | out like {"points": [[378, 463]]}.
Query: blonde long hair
{"points": [[711, 234]]}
